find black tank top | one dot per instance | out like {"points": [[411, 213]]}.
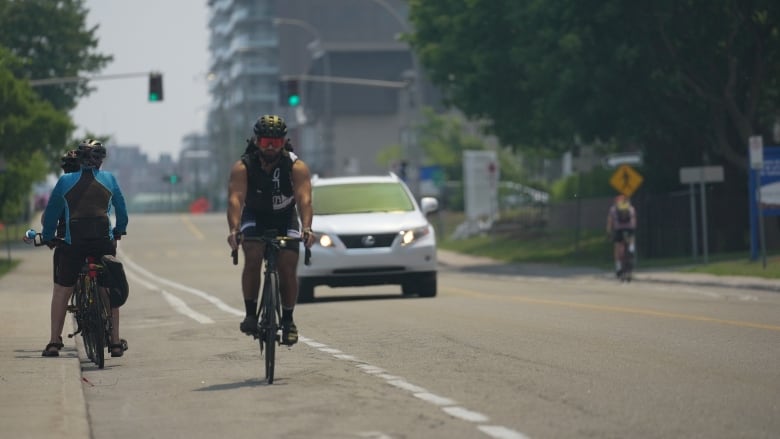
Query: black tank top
{"points": [[269, 193]]}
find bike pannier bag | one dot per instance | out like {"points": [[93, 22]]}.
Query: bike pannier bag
{"points": [[115, 280]]}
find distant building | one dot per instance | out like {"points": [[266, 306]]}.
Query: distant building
{"points": [[140, 179]]}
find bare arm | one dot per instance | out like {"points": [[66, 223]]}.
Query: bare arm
{"points": [[301, 177], [236, 196]]}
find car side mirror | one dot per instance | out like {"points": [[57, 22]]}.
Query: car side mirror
{"points": [[429, 205]]}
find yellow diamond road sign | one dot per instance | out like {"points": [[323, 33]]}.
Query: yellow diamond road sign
{"points": [[626, 180]]}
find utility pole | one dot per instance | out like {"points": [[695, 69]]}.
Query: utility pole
{"points": [[72, 79]]}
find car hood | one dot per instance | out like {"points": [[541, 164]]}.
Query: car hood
{"points": [[357, 223]]}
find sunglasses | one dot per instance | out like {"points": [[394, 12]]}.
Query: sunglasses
{"points": [[270, 142]]}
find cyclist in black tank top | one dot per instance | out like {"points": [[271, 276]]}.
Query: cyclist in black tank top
{"points": [[269, 188]]}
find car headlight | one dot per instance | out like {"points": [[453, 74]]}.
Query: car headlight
{"points": [[411, 235], [325, 240]]}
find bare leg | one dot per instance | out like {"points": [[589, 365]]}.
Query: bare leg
{"points": [[288, 278], [59, 304], [250, 277]]}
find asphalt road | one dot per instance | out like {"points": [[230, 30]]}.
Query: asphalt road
{"points": [[493, 356]]}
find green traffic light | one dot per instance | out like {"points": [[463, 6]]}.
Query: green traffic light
{"points": [[174, 179], [294, 100], [154, 97]]}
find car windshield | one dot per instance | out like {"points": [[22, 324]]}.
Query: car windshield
{"points": [[360, 198]]}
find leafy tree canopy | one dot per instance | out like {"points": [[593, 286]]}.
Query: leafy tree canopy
{"points": [[31, 131], [52, 39], [680, 80]]}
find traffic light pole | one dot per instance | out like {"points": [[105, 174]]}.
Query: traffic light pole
{"points": [[72, 79], [348, 80]]}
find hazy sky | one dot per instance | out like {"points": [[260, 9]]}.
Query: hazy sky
{"points": [[170, 36]]}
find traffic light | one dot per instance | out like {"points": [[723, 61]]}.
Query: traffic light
{"points": [[155, 87], [171, 178], [290, 94]]}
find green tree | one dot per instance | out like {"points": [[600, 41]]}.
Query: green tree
{"points": [[31, 131], [443, 138], [680, 80], [52, 39]]}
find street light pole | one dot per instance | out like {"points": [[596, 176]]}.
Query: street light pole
{"points": [[415, 102], [327, 119]]}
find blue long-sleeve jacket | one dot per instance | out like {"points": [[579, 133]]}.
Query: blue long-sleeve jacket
{"points": [[84, 200]]}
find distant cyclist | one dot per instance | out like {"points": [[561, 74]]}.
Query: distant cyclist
{"points": [[82, 200], [621, 220], [269, 187]]}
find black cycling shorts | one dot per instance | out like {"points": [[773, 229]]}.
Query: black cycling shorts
{"points": [[253, 225], [617, 235], [70, 259]]}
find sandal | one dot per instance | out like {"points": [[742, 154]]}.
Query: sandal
{"points": [[118, 349], [56, 353]]}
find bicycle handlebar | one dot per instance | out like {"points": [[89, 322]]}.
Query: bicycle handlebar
{"points": [[271, 239], [36, 239]]}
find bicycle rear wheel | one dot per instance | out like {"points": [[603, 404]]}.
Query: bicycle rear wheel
{"points": [[628, 265], [97, 325], [84, 316], [269, 324]]}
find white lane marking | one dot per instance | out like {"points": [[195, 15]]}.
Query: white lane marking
{"points": [[446, 404], [177, 304], [203, 295], [434, 399], [374, 435], [499, 432], [466, 415], [311, 343], [328, 350], [401, 384], [181, 307], [373, 370]]}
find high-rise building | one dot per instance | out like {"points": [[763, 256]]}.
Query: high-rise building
{"points": [[243, 74], [346, 60]]}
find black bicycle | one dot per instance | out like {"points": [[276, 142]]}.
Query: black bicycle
{"points": [[269, 314], [89, 307]]}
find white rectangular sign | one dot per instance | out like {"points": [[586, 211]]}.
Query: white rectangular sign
{"points": [[701, 174], [480, 184]]}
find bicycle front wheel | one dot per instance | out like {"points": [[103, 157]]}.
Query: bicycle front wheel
{"points": [[269, 323]]}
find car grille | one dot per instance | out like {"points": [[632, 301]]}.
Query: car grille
{"points": [[369, 270], [368, 240]]}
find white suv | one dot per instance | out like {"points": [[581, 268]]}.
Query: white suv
{"points": [[370, 231]]}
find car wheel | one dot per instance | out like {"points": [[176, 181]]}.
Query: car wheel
{"points": [[305, 290], [423, 285]]}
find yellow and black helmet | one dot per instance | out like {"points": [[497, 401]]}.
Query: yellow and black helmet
{"points": [[270, 125]]}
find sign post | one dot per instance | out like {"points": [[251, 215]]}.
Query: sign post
{"points": [[757, 163], [701, 175]]}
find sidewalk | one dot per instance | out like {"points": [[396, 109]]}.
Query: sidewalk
{"points": [[41, 397], [479, 264]]}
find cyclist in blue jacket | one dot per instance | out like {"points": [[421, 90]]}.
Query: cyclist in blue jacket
{"points": [[83, 200]]}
